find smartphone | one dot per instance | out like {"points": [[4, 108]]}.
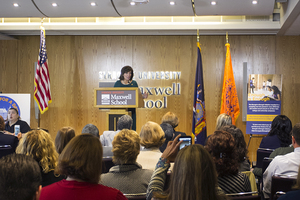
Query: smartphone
{"points": [[186, 141], [17, 130]]}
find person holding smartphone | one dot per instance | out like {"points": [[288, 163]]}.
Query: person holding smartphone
{"points": [[13, 120]]}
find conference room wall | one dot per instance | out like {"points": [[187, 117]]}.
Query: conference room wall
{"points": [[75, 61]]}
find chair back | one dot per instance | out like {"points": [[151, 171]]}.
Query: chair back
{"points": [[138, 196], [107, 163], [244, 196], [265, 163], [5, 150], [261, 153], [281, 184]]}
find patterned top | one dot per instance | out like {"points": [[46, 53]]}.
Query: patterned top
{"points": [[234, 183]]}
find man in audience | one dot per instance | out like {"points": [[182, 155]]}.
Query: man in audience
{"points": [[124, 122], [287, 165], [91, 129], [9, 142], [20, 178]]}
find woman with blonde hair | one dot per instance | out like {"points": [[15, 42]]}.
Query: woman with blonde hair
{"points": [[38, 145], [172, 119], [152, 137], [63, 136], [223, 120]]}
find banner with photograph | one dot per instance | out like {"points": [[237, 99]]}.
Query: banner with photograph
{"points": [[264, 102]]}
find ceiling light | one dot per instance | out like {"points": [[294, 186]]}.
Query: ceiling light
{"points": [[213, 3], [93, 4], [16, 5], [172, 3], [132, 3], [54, 4], [254, 2]]}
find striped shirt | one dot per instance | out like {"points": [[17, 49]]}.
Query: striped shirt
{"points": [[234, 183]]}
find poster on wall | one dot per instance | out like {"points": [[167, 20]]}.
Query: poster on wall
{"points": [[264, 102], [19, 101]]}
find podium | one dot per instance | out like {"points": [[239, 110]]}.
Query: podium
{"points": [[117, 102]]}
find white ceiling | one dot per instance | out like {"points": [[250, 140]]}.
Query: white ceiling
{"points": [[235, 16]]}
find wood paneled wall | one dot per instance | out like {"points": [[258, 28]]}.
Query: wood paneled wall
{"points": [[75, 61]]}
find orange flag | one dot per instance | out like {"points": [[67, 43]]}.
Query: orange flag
{"points": [[229, 102]]}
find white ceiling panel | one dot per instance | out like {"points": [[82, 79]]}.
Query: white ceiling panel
{"points": [[25, 9]]}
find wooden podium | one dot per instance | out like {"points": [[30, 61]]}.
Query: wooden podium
{"points": [[116, 101]]}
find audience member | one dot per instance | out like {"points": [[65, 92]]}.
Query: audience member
{"points": [[279, 135], [292, 195], [81, 162], [169, 135], [127, 176], [287, 164], [221, 146], [20, 178], [193, 177], [13, 119], [223, 120], [152, 137], [91, 129], [241, 146], [124, 122], [6, 139], [281, 151], [63, 136], [172, 119], [38, 144]]}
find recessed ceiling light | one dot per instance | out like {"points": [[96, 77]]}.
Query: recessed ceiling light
{"points": [[213, 3], [93, 4], [254, 2], [132, 3], [54, 4], [16, 5], [172, 3]]}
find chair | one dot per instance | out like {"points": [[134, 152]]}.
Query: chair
{"points": [[107, 163], [139, 196], [5, 150], [265, 163], [281, 184], [244, 196], [261, 154]]}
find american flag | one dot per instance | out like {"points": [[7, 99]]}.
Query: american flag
{"points": [[42, 94]]}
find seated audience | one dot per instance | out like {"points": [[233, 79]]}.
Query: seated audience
{"points": [[221, 146], [81, 163], [279, 135], [173, 120], [287, 164], [241, 146], [63, 136], [13, 119], [6, 139], [281, 151], [193, 178], [38, 145], [125, 122], [91, 129], [152, 137], [169, 135], [127, 176], [20, 178], [223, 120], [292, 195]]}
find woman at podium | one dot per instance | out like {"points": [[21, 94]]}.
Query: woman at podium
{"points": [[126, 81]]}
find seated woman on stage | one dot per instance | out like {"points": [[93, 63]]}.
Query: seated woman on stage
{"points": [[193, 178], [13, 119], [152, 137], [81, 162], [221, 146], [127, 176], [38, 144], [63, 137]]}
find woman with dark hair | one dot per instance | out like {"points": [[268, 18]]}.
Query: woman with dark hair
{"points": [[221, 146], [81, 162], [241, 146], [13, 119], [276, 93], [63, 136], [279, 135], [193, 178], [126, 81]]}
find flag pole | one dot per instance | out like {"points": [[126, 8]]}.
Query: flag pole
{"points": [[226, 36]]}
